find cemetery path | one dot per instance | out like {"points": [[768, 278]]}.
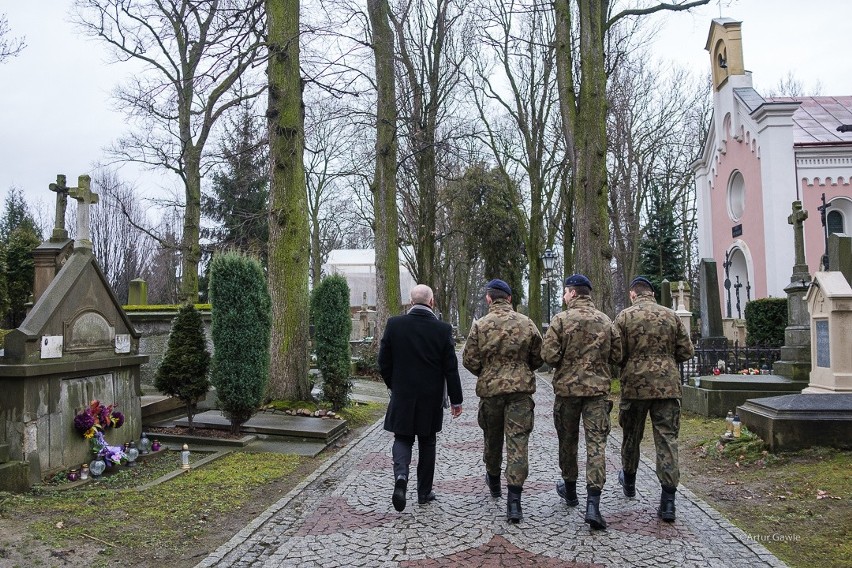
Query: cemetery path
{"points": [[342, 514]]}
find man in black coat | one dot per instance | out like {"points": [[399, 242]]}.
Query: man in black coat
{"points": [[417, 359]]}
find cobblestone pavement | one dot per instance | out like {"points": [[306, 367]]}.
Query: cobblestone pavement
{"points": [[342, 514]]}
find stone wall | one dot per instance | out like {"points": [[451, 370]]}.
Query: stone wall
{"points": [[154, 327]]}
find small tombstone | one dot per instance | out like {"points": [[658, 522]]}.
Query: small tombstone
{"points": [[829, 301]]}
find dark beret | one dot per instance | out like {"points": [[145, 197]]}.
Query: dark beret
{"points": [[578, 280], [641, 280], [498, 284]]}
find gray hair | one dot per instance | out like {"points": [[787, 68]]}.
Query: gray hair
{"points": [[421, 294]]}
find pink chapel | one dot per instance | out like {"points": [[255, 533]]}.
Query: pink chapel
{"points": [[761, 155]]}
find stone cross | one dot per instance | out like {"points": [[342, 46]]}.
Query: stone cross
{"points": [[61, 190], [681, 301], [797, 219], [84, 196]]}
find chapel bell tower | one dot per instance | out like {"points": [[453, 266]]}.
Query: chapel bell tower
{"points": [[725, 44]]}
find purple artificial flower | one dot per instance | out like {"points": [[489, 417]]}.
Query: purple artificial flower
{"points": [[83, 421], [118, 417]]}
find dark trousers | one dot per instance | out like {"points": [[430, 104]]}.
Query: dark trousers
{"points": [[665, 421], [402, 446]]}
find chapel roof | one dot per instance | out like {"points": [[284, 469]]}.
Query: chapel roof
{"points": [[816, 120]]}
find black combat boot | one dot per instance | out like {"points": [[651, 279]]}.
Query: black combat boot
{"points": [[568, 491], [667, 504], [628, 483], [493, 482], [593, 509], [514, 513], [399, 489]]}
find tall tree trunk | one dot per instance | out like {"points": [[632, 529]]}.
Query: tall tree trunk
{"points": [[384, 183], [289, 238], [594, 253], [316, 252], [190, 248]]}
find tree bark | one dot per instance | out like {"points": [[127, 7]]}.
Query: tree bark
{"points": [[383, 187], [289, 238]]}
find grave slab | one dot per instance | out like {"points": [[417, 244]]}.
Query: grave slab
{"points": [[797, 421], [274, 424], [718, 394]]}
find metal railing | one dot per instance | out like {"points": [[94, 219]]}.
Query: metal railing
{"points": [[734, 359]]}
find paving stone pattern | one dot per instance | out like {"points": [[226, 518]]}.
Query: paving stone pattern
{"points": [[342, 514]]}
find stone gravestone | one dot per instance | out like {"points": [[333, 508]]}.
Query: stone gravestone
{"points": [[830, 303], [795, 360], [713, 343], [666, 293], [840, 254]]}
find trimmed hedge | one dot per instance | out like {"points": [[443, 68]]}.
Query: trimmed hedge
{"points": [[241, 329], [765, 322], [332, 328]]}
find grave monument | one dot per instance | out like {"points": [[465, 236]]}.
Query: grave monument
{"points": [[75, 345]]}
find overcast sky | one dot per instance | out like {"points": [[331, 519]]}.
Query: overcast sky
{"points": [[56, 114]]}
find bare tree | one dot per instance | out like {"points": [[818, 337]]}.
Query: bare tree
{"points": [[512, 82], [194, 58], [9, 46], [654, 133], [791, 86], [582, 30], [383, 186], [123, 252]]}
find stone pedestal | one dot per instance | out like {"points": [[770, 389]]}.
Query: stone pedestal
{"points": [[795, 361], [796, 421]]}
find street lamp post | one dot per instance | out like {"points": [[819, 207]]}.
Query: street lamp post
{"points": [[549, 261]]}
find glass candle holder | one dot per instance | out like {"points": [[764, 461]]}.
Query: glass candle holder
{"points": [[155, 447], [184, 457], [144, 444], [73, 475], [84, 472], [132, 454], [97, 467]]}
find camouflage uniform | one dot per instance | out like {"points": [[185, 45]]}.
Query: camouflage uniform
{"points": [[580, 344], [654, 341], [503, 350]]}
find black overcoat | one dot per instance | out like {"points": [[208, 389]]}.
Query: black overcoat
{"points": [[416, 357]]}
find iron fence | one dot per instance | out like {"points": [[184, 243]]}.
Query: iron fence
{"points": [[731, 358]]}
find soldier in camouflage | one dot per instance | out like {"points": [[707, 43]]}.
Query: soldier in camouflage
{"points": [[580, 344], [503, 350], [654, 341]]}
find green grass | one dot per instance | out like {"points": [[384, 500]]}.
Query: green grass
{"points": [[165, 516], [356, 414]]}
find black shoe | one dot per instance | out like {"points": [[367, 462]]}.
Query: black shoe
{"points": [[493, 482], [398, 498], [667, 504], [628, 483], [593, 512], [423, 499], [514, 513], [568, 491]]}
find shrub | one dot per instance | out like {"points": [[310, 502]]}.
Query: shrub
{"points": [[183, 371], [332, 328], [241, 329], [765, 322]]}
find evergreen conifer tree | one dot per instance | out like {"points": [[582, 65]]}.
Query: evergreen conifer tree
{"points": [[242, 324], [332, 329], [661, 247], [183, 371]]}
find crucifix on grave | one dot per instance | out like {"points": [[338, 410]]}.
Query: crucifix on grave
{"points": [[84, 196], [737, 287], [61, 190], [797, 219]]}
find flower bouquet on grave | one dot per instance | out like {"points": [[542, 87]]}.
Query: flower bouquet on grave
{"points": [[91, 423]]}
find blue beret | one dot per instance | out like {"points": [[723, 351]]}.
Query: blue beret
{"points": [[641, 280], [578, 280], [498, 284]]}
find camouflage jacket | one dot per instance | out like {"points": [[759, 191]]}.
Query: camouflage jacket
{"points": [[654, 341], [503, 349], [580, 345]]}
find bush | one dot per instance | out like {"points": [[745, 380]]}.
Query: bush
{"points": [[332, 328], [241, 329], [765, 322], [183, 371]]}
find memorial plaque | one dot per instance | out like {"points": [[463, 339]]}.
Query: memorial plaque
{"points": [[89, 331], [822, 345], [737, 231], [122, 343], [51, 346]]}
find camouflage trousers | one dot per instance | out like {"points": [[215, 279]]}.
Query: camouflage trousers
{"points": [[510, 415], [566, 417], [665, 421]]}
